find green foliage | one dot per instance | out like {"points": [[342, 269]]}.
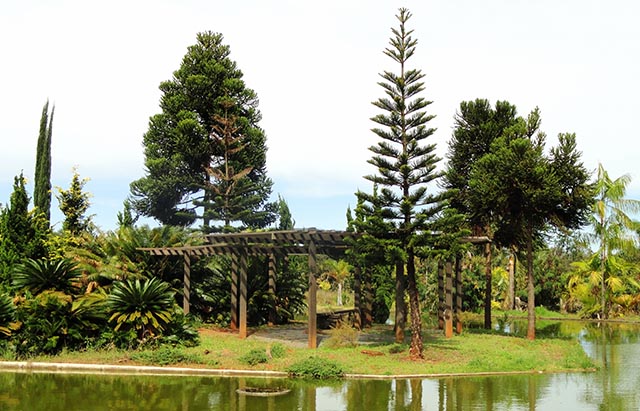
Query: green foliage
{"points": [[206, 97], [342, 335], [164, 356], [278, 350], [316, 368], [42, 181], [7, 315], [44, 274], [212, 283], [22, 234], [253, 357], [48, 324], [146, 306], [74, 203]]}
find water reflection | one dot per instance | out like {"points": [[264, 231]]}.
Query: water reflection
{"points": [[614, 387]]}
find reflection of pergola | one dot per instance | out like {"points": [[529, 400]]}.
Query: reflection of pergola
{"points": [[273, 244]]}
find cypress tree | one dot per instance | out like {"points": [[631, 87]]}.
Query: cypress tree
{"points": [[42, 181]]}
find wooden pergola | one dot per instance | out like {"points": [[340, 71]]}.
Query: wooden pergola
{"points": [[268, 243]]}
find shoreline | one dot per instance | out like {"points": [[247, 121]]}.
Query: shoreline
{"points": [[110, 369]]}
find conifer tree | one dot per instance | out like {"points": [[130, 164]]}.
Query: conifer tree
{"points": [[184, 149], [42, 181], [74, 204], [405, 164], [22, 234]]}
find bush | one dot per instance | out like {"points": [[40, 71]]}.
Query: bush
{"points": [[166, 356], [316, 367], [253, 357], [342, 335], [278, 350]]}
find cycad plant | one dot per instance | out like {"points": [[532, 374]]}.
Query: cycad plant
{"points": [[44, 274], [7, 314], [146, 306]]}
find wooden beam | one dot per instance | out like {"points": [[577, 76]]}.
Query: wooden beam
{"points": [[233, 324], [272, 289], [186, 298], [243, 294], [441, 303], [458, 287], [313, 288], [448, 292]]}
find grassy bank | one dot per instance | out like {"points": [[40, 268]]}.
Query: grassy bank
{"points": [[471, 352]]}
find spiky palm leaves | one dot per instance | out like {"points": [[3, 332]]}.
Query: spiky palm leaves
{"points": [[146, 306], [40, 275], [7, 314]]}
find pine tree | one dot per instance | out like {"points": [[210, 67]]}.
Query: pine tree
{"points": [[184, 148], [42, 181], [405, 164]]}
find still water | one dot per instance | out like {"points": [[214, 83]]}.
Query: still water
{"points": [[616, 386]]}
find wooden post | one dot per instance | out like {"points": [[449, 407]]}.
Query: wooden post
{"points": [[313, 288], [487, 293], [441, 304], [187, 283], [367, 313], [448, 291], [234, 291], [458, 286], [272, 289], [243, 293], [357, 297]]}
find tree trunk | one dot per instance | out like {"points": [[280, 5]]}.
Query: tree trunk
{"points": [[487, 293], [531, 296], [401, 309], [339, 299], [415, 350], [511, 289]]}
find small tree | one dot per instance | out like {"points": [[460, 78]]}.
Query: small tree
{"points": [[22, 233], [74, 203]]}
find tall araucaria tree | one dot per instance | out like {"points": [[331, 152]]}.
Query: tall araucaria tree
{"points": [[42, 181], [476, 126], [206, 140], [405, 164], [528, 192]]}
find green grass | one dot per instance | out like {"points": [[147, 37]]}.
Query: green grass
{"points": [[470, 352]]}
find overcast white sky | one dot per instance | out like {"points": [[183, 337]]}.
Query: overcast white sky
{"points": [[314, 66]]}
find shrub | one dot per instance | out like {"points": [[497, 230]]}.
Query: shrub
{"points": [[278, 350], [166, 356], [253, 357], [316, 367], [342, 335]]}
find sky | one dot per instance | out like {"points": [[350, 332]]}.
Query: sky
{"points": [[315, 67]]}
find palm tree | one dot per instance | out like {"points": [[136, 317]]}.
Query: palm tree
{"points": [[613, 228], [338, 270], [146, 306]]}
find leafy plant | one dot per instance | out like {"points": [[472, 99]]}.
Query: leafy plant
{"points": [[166, 356], [7, 314], [44, 274], [253, 357], [342, 335], [278, 350], [146, 306], [316, 367]]}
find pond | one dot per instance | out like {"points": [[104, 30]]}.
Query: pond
{"points": [[614, 387]]}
